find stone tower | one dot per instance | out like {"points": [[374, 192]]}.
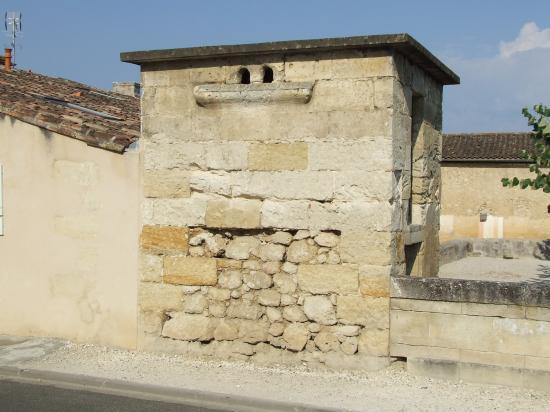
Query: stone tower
{"points": [[283, 184]]}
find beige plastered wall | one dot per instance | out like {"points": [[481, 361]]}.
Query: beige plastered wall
{"points": [[469, 189], [68, 256]]}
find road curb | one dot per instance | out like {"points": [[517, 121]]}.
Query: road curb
{"points": [[203, 399]]}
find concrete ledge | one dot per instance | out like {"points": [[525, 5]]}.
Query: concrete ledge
{"points": [[475, 291], [207, 400], [480, 373]]}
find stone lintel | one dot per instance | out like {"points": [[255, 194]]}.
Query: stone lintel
{"points": [[209, 94]]}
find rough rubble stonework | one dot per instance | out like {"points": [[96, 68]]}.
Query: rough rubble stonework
{"points": [[285, 216]]}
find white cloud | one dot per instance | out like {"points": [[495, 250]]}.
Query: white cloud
{"points": [[530, 37], [493, 90]]}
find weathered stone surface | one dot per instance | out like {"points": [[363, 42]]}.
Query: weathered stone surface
{"points": [[241, 247], [345, 330], [196, 251], [166, 184], [217, 309], [302, 234], [274, 315], [257, 280], [366, 247], [242, 348], [287, 300], [196, 303], [333, 258], [189, 327], [289, 214], [284, 282], [374, 153], [164, 238], [276, 329], [327, 239], [283, 238], [233, 213], [226, 156], [269, 297], [301, 251], [159, 297], [374, 342], [271, 267], [185, 211], [211, 182], [192, 271], [216, 245], [228, 264], [295, 336], [151, 322], [244, 309], [372, 284], [151, 268], [219, 294], [365, 311], [282, 156], [231, 279], [289, 267], [252, 265], [294, 314], [328, 278], [319, 309], [253, 331], [226, 329], [349, 345], [327, 341], [271, 252]]}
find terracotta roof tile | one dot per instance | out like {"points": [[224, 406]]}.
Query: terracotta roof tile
{"points": [[100, 118], [477, 147]]}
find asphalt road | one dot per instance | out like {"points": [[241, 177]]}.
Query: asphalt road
{"points": [[19, 397]]}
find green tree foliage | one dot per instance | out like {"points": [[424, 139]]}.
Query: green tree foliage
{"points": [[540, 158]]}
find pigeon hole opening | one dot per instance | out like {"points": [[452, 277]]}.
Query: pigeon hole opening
{"points": [[244, 75], [268, 74]]}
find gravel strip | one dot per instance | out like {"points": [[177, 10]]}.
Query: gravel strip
{"points": [[391, 389]]}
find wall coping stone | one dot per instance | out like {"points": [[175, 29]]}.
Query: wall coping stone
{"points": [[473, 291], [402, 43]]}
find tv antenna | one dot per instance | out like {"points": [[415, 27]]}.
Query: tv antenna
{"points": [[13, 25]]}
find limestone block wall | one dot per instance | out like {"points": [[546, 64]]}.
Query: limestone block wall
{"points": [[476, 331], [274, 213]]}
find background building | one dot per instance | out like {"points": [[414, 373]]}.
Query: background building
{"points": [[473, 201]]}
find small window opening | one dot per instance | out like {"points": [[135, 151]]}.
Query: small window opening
{"points": [[268, 74], [245, 76]]}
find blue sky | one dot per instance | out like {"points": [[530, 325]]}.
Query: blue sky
{"points": [[501, 49]]}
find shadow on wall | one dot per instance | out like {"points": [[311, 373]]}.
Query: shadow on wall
{"points": [[454, 250], [542, 250]]}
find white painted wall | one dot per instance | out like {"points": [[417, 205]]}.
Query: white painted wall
{"points": [[68, 256]]}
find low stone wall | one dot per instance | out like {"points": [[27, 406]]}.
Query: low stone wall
{"points": [[484, 332], [505, 248], [251, 293]]}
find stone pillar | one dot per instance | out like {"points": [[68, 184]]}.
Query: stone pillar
{"points": [[276, 186]]}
